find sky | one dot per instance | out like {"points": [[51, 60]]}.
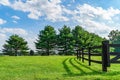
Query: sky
{"points": [[27, 17]]}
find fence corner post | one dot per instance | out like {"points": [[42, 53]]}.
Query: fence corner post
{"points": [[82, 54], [105, 55], [89, 56]]}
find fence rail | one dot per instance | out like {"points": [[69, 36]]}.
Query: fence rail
{"points": [[114, 45], [105, 54]]}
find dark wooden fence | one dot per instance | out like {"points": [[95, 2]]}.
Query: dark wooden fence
{"points": [[105, 54]]}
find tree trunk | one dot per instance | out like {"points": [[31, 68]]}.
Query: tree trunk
{"points": [[15, 52], [47, 49], [48, 52], [65, 46]]}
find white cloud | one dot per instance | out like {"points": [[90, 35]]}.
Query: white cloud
{"points": [[31, 38], [15, 17], [98, 12], [28, 36], [96, 27], [2, 21], [5, 2], [94, 19], [2, 39], [6, 32], [18, 31], [52, 9]]}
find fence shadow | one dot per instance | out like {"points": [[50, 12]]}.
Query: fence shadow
{"points": [[76, 67], [66, 67], [70, 73], [85, 66]]}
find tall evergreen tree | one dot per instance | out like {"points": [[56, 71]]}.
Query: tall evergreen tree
{"points": [[65, 40], [95, 39], [79, 34], [85, 39], [81, 37], [15, 45], [46, 40]]}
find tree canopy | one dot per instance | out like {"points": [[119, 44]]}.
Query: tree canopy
{"points": [[84, 38], [46, 40], [15, 45], [66, 41]]}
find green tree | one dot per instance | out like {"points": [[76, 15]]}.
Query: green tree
{"points": [[46, 40], [95, 40], [81, 37], [85, 39], [65, 40], [15, 45], [114, 37], [78, 34]]}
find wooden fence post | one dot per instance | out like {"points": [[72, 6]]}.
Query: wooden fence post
{"points": [[105, 55], [89, 56], [108, 55], [82, 54]]}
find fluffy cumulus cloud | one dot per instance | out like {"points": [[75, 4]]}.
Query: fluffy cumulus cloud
{"points": [[18, 31], [5, 2], [95, 19], [31, 38], [96, 27], [98, 12], [28, 36], [51, 9], [10, 31], [2, 21]]}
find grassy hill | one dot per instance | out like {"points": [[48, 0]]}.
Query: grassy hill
{"points": [[53, 68]]}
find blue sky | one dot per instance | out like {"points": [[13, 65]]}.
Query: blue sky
{"points": [[27, 17]]}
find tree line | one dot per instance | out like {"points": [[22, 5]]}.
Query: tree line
{"points": [[49, 42]]}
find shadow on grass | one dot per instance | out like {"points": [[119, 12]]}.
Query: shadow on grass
{"points": [[85, 66], [75, 66], [66, 67], [82, 72]]}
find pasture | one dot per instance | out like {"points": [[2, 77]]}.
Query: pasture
{"points": [[53, 68]]}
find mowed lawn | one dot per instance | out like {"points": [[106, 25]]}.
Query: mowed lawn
{"points": [[53, 68]]}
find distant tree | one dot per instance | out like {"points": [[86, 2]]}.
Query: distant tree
{"points": [[15, 45], [46, 40], [114, 37], [84, 38], [95, 40], [31, 52], [79, 36], [65, 41], [8, 50]]}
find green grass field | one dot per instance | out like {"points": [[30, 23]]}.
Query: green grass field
{"points": [[53, 68]]}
